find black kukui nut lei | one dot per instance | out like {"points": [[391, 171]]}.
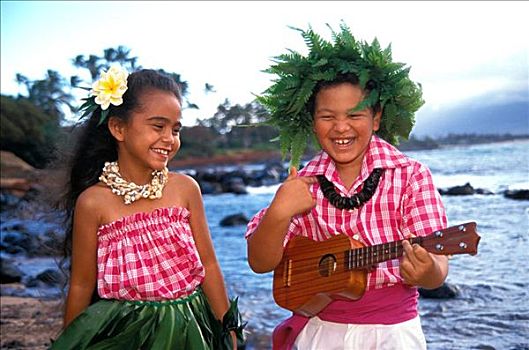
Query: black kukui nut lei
{"points": [[356, 200]]}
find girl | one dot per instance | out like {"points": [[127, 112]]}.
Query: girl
{"points": [[145, 249]]}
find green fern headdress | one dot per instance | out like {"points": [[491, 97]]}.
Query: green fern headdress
{"points": [[287, 99]]}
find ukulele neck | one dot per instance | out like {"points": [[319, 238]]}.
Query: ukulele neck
{"points": [[365, 257]]}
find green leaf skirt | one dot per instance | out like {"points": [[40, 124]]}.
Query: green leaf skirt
{"points": [[186, 323]]}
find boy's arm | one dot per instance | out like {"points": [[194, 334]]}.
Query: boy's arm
{"points": [[423, 269], [424, 213], [265, 245]]}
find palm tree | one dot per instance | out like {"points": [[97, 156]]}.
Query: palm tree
{"points": [[95, 64], [91, 64], [184, 88], [49, 94]]}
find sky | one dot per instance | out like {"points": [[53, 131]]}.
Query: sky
{"points": [[457, 50]]}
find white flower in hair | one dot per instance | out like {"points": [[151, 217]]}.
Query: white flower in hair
{"points": [[109, 89]]}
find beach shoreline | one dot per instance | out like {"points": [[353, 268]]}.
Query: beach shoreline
{"points": [[29, 323]]}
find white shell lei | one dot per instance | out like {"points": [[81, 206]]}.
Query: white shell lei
{"points": [[129, 190]]}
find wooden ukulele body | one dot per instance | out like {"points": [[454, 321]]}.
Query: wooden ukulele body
{"points": [[301, 277]]}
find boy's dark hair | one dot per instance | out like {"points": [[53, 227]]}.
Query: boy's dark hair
{"points": [[95, 144]]}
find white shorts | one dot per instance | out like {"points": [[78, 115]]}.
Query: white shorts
{"points": [[323, 335]]}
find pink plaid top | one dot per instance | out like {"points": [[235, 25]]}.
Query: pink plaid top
{"points": [[405, 202], [148, 256]]}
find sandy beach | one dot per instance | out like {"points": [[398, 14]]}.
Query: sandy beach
{"points": [[29, 323]]}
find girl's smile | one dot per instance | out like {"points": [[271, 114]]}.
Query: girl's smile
{"points": [[151, 138]]}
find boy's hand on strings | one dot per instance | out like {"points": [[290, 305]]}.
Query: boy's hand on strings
{"points": [[418, 267], [293, 196]]}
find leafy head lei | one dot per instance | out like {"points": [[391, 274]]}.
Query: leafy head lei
{"points": [[288, 98], [109, 89]]}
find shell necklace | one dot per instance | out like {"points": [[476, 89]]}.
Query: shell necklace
{"points": [[129, 190]]}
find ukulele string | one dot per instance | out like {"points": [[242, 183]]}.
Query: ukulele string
{"points": [[358, 258]]}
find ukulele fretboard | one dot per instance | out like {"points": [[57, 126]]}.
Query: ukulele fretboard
{"points": [[366, 256]]}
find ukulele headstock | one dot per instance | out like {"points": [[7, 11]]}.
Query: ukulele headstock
{"points": [[459, 239]]}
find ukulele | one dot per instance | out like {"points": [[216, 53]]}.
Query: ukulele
{"points": [[311, 274]]}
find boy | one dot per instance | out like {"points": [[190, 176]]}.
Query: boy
{"points": [[354, 99]]}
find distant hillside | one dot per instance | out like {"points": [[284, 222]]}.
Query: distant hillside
{"points": [[474, 118]]}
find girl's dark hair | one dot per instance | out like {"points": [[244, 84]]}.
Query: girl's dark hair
{"points": [[95, 144], [340, 79]]}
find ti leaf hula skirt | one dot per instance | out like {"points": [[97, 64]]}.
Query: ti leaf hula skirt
{"points": [[186, 323]]}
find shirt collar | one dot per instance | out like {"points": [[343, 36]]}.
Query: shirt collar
{"points": [[380, 154]]}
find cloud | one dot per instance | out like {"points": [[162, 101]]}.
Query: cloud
{"points": [[457, 50]]}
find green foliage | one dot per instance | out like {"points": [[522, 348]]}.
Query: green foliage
{"points": [[121, 55], [297, 76], [31, 123], [232, 125], [184, 88], [49, 94], [227, 130], [96, 64], [27, 131], [197, 141]]}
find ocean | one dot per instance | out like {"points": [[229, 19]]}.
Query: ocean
{"points": [[491, 310]]}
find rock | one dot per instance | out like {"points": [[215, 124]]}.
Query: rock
{"points": [[234, 185], [14, 344], [8, 200], [207, 187], [446, 291], [483, 191], [42, 242], [517, 194], [9, 273], [15, 184], [17, 242], [49, 277], [234, 220], [13, 166], [464, 190]]}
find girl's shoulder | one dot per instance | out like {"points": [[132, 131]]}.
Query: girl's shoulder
{"points": [[93, 203], [94, 196], [183, 181], [184, 189]]}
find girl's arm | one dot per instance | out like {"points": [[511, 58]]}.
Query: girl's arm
{"points": [[265, 245], [84, 258], [213, 284]]}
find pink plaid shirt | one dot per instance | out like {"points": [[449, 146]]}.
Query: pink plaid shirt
{"points": [[405, 202], [148, 256]]}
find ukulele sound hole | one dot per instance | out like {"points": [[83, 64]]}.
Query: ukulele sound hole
{"points": [[327, 265]]}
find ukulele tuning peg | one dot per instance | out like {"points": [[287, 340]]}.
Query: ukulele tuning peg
{"points": [[439, 247], [463, 245], [462, 228]]}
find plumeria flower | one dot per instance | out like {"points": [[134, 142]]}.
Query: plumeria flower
{"points": [[109, 89]]}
